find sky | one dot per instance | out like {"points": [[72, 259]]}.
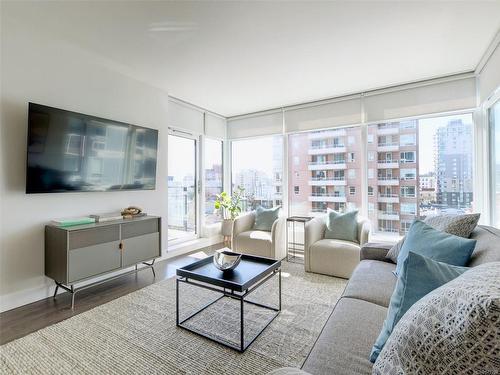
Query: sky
{"points": [[426, 130]]}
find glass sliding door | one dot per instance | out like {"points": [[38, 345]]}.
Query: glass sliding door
{"points": [[494, 117], [213, 178], [182, 182]]}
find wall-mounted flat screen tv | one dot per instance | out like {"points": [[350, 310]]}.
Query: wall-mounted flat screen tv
{"points": [[69, 152]]}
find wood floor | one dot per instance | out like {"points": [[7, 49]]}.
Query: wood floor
{"points": [[26, 319]]}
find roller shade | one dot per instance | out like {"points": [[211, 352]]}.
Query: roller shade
{"points": [[184, 117], [327, 115], [215, 126], [450, 95], [489, 78], [266, 123]]}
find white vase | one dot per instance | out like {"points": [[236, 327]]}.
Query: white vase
{"points": [[227, 227]]}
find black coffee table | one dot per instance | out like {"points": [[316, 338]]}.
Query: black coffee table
{"points": [[250, 274]]}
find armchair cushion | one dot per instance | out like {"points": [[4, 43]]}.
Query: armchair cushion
{"points": [[333, 257], [265, 217], [255, 242], [342, 226]]}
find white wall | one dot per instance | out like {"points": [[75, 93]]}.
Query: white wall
{"points": [[45, 69]]}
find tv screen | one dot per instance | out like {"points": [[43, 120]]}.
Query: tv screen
{"points": [[70, 151]]}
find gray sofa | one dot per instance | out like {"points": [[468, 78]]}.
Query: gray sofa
{"points": [[344, 345]]}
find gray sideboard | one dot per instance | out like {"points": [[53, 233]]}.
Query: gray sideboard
{"points": [[78, 253]]}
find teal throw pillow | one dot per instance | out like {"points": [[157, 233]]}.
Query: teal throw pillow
{"points": [[419, 276], [425, 240], [342, 226], [265, 217]]}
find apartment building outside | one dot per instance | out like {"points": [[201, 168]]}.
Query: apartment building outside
{"points": [[326, 173], [454, 158]]}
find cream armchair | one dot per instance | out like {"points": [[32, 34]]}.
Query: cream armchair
{"points": [[329, 256], [261, 243]]}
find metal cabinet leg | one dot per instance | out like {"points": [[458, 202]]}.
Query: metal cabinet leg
{"points": [[55, 291]]}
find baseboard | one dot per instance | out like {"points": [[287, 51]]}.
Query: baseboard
{"points": [[46, 286]]}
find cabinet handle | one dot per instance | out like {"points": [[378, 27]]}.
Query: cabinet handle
{"points": [[120, 246]]}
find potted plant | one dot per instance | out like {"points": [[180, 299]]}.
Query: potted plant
{"points": [[230, 207]]}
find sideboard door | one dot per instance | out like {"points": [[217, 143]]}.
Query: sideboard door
{"points": [[141, 248]]}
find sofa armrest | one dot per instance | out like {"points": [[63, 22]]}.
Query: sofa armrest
{"points": [[278, 234], [314, 232], [243, 223], [375, 251]]}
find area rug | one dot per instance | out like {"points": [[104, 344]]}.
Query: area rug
{"points": [[136, 333]]}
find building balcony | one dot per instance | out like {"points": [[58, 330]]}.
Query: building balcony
{"points": [[328, 134], [387, 147], [387, 181], [388, 215], [388, 130], [327, 165], [327, 197], [387, 164], [332, 181], [326, 149], [388, 198]]}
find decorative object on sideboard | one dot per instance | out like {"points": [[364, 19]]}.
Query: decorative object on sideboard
{"points": [[226, 260], [132, 212], [229, 207], [109, 216], [69, 222]]}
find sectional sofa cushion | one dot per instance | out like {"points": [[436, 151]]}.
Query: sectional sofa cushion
{"points": [[372, 281], [265, 217], [342, 226], [459, 225], [419, 276], [443, 247], [346, 340], [452, 330]]}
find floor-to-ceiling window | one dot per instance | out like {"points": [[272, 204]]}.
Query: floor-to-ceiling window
{"points": [[494, 118], [182, 183], [212, 157], [257, 167], [325, 171], [421, 167]]}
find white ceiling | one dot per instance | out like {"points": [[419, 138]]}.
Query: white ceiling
{"points": [[239, 57]]}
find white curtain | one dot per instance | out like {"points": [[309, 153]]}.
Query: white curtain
{"points": [[445, 96], [346, 111], [264, 123]]}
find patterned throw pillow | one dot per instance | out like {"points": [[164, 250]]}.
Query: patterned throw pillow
{"points": [[455, 329], [459, 225]]}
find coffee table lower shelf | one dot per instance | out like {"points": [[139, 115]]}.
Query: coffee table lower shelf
{"points": [[227, 293]]}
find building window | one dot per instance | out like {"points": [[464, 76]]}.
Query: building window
{"points": [[407, 140], [351, 157], [352, 190], [258, 173], [408, 174], [408, 191], [405, 226], [370, 191], [371, 156], [408, 157], [296, 190], [371, 173], [370, 138], [409, 208]]}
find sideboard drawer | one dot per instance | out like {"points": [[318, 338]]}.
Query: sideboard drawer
{"points": [[139, 228], [93, 260], [93, 236]]}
